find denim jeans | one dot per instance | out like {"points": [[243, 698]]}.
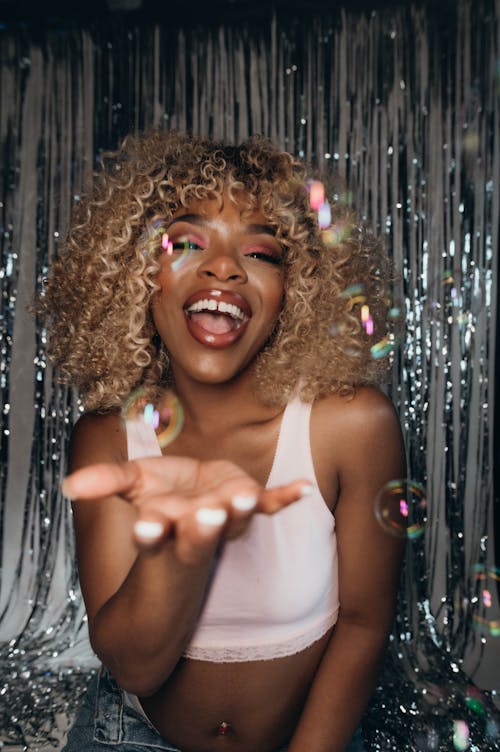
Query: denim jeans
{"points": [[105, 719]]}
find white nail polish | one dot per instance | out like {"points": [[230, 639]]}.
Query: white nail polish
{"points": [[306, 489], [148, 530], [209, 516], [243, 503], [65, 493]]}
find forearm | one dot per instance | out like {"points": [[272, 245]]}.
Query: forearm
{"points": [[142, 630], [341, 690]]}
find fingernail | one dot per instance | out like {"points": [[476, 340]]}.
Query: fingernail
{"points": [[306, 489], [64, 489], [148, 530], [209, 516], [243, 503]]}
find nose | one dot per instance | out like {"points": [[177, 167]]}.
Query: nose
{"points": [[223, 265]]}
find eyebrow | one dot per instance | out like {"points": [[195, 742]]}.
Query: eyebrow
{"points": [[200, 220]]}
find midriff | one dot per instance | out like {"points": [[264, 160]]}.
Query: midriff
{"points": [[260, 700]]}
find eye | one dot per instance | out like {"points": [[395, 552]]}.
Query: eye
{"points": [[264, 254], [185, 244]]}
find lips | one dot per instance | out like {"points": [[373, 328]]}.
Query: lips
{"points": [[217, 318]]}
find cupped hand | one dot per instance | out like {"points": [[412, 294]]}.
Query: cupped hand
{"points": [[195, 503]]}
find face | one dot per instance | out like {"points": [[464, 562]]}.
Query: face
{"points": [[221, 291]]}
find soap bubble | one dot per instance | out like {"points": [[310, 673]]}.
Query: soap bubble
{"points": [[401, 508], [444, 298], [384, 347], [335, 233], [156, 238], [460, 735], [474, 701], [316, 194], [182, 251], [488, 622], [161, 413]]}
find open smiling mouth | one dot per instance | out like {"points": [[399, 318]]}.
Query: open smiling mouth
{"points": [[215, 318]]}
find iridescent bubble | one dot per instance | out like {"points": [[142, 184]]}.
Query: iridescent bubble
{"points": [[460, 735], [316, 194], [334, 234], [471, 141], [366, 319], [488, 621], [182, 250], [161, 414], [492, 729], [401, 508], [444, 298], [473, 700], [153, 236], [354, 293], [384, 347], [325, 215]]}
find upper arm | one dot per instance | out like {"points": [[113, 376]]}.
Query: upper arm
{"points": [[104, 545], [369, 455]]}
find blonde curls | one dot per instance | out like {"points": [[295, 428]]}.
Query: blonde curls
{"points": [[97, 298]]}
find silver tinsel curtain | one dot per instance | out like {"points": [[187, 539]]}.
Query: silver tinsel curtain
{"points": [[404, 104]]}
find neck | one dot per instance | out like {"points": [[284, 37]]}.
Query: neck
{"points": [[208, 405]]}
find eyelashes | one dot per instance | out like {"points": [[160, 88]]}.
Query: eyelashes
{"points": [[264, 256], [188, 245]]}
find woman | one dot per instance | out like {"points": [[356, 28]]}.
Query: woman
{"points": [[239, 590]]}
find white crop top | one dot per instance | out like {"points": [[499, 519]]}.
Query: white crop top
{"points": [[274, 590]]}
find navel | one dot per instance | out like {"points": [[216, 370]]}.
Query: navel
{"points": [[224, 728]]}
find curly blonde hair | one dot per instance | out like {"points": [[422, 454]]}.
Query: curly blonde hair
{"points": [[96, 300]]}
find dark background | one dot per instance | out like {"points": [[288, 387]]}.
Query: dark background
{"points": [[194, 12]]}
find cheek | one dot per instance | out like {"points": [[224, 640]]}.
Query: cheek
{"points": [[276, 295]]}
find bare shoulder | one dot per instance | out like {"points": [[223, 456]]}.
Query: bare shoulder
{"points": [[368, 411], [350, 433], [97, 437]]}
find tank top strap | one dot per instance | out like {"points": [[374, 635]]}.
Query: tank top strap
{"points": [[293, 458], [141, 440]]}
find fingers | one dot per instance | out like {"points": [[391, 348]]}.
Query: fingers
{"points": [[151, 529], [198, 534], [103, 479], [271, 500], [175, 501]]}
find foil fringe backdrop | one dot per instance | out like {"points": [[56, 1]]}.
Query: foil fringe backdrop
{"points": [[408, 113]]}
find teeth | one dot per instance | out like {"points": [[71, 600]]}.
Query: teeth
{"points": [[214, 305]]}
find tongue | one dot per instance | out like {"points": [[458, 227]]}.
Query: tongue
{"points": [[215, 323]]}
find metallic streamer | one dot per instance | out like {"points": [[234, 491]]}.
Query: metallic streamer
{"points": [[407, 112]]}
